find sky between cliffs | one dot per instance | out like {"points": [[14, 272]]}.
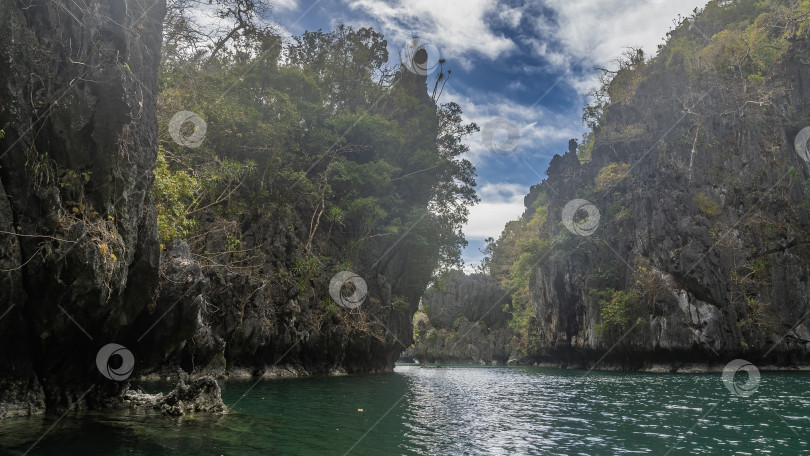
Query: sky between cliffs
{"points": [[529, 62]]}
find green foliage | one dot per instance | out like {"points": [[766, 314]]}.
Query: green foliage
{"points": [[630, 133], [647, 284], [616, 87], [623, 306], [519, 249], [585, 148], [452, 338], [420, 320], [352, 155], [173, 192], [754, 325], [40, 168], [747, 52], [332, 309], [603, 276], [630, 74], [73, 181], [400, 304], [707, 205], [619, 309], [611, 174], [306, 267], [305, 270]]}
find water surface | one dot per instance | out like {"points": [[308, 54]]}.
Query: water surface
{"points": [[452, 411]]}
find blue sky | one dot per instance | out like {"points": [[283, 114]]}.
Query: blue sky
{"points": [[526, 63]]}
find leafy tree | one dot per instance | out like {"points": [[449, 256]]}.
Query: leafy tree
{"points": [[203, 30], [173, 193], [512, 257], [354, 156]]}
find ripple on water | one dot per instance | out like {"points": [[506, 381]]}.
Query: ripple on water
{"points": [[454, 411]]}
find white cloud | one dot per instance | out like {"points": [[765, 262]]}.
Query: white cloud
{"points": [[500, 202], [536, 125], [285, 5], [581, 33], [515, 85], [511, 16], [595, 32], [456, 27]]}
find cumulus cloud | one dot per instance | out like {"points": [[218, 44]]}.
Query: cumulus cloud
{"points": [[500, 202], [567, 35], [510, 16], [597, 30], [535, 125], [285, 5], [585, 33], [458, 28]]}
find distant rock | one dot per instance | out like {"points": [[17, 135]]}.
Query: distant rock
{"points": [[463, 322]]}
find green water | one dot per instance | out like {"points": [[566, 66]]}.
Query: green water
{"points": [[455, 411]]}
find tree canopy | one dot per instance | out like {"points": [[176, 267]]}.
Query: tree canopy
{"points": [[351, 153]]}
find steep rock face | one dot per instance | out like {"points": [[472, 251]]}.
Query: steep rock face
{"points": [[261, 319], [463, 322], [78, 247], [80, 261], [475, 297], [708, 227], [175, 323]]}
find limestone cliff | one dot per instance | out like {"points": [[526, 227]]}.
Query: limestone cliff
{"points": [[80, 255], [81, 265], [680, 231], [463, 321]]}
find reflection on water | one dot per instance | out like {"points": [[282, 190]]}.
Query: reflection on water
{"points": [[452, 411]]}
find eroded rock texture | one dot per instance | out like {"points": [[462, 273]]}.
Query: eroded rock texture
{"points": [[709, 227], [80, 261], [78, 247], [200, 395], [464, 322]]}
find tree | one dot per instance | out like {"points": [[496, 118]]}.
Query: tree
{"points": [[368, 168], [201, 30]]}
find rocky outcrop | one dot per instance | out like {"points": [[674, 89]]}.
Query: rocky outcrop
{"points": [[176, 324], [21, 397], [78, 246], [268, 309], [476, 297], [259, 321], [705, 230], [80, 261], [463, 321], [200, 395]]}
